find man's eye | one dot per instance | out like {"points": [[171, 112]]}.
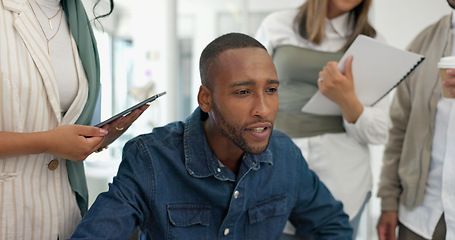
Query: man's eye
{"points": [[272, 90], [242, 92]]}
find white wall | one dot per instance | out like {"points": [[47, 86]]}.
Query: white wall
{"points": [[401, 20]]}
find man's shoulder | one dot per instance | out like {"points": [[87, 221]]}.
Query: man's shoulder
{"points": [[430, 34], [172, 132]]}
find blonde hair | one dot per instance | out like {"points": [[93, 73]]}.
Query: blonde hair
{"points": [[310, 21]]}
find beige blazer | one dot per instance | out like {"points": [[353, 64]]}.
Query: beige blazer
{"points": [[36, 201], [408, 152]]}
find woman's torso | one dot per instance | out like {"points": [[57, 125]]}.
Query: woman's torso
{"points": [[340, 161], [36, 198]]}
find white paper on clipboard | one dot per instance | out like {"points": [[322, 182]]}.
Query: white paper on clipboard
{"points": [[377, 69]]}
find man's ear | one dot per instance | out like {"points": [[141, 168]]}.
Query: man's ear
{"points": [[204, 98]]}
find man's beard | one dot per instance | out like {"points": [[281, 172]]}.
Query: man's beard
{"points": [[234, 133]]}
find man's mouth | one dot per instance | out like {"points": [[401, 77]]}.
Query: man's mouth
{"points": [[258, 129]]}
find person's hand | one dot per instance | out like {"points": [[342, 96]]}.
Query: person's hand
{"points": [[339, 88], [119, 126], [450, 81], [73, 142], [387, 224]]}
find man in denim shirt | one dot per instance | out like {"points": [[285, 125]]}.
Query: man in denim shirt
{"points": [[222, 173]]}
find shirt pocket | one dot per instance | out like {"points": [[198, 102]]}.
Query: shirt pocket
{"points": [[267, 218], [188, 220]]}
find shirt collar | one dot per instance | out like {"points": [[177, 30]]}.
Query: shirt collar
{"points": [[201, 162], [341, 25]]}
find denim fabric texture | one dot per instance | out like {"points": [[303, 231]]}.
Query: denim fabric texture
{"points": [[172, 186]]}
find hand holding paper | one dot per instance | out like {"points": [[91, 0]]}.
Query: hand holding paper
{"points": [[339, 88], [377, 68]]}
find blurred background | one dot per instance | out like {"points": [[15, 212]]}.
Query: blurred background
{"points": [[150, 46]]}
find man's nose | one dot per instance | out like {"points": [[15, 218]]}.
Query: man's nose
{"points": [[261, 106]]}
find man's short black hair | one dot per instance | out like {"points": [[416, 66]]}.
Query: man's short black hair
{"points": [[219, 45]]}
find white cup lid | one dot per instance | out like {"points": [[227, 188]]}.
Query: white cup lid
{"points": [[447, 62]]}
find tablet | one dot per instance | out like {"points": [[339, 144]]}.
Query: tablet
{"points": [[128, 110]]}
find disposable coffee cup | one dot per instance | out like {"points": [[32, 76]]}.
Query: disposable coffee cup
{"points": [[444, 64]]}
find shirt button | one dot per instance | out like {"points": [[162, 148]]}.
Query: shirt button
{"points": [[218, 169], [226, 231], [53, 165], [236, 194]]}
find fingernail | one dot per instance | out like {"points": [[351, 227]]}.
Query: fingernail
{"points": [[103, 131]]}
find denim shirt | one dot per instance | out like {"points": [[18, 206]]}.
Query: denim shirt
{"points": [[171, 185]]}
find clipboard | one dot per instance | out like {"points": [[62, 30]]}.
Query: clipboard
{"points": [[377, 69], [130, 109]]}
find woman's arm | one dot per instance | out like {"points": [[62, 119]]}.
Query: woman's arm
{"points": [[339, 88], [367, 125]]}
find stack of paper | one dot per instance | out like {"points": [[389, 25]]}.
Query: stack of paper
{"points": [[377, 69]]}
